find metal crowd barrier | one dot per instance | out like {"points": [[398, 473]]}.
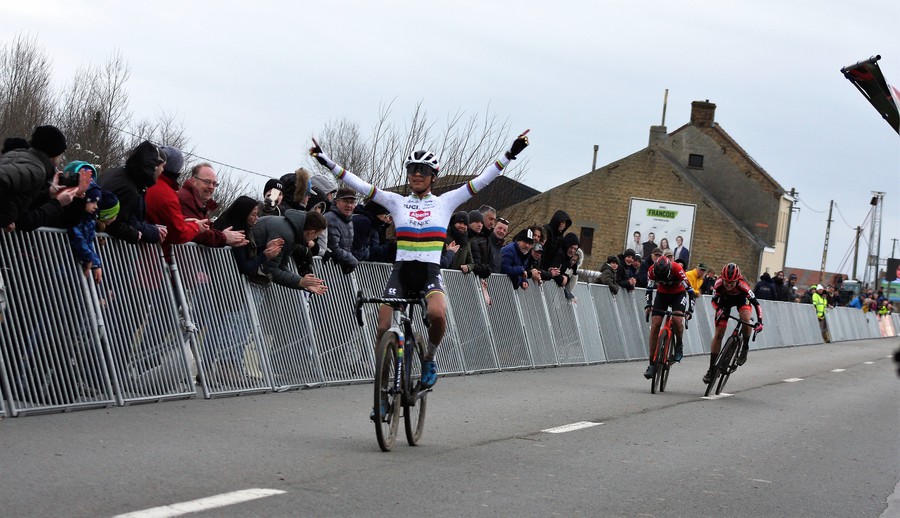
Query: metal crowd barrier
{"points": [[157, 325]]}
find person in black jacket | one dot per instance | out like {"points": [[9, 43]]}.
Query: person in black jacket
{"points": [[765, 288], [129, 183], [370, 223], [553, 233]]}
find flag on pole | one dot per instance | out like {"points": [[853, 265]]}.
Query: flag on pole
{"points": [[868, 79]]}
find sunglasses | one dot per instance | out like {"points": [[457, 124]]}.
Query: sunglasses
{"points": [[503, 220], [420, 169]]}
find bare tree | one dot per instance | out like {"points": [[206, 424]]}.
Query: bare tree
{"points": [[465, 145], [26, 98], [94, 111]]}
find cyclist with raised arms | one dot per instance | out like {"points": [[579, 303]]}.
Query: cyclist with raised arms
{"points": [[421, 220], [732, 290], [668, 279]]}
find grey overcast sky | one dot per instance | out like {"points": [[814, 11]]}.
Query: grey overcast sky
{"points": [[252, 81]]}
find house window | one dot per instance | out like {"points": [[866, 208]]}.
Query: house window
{"points": [[695, 161], [587, 240]]}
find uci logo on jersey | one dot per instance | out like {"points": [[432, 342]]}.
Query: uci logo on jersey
{"points": [[420, 214]]}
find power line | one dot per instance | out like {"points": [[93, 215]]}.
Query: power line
{"points": [[810, 208]]}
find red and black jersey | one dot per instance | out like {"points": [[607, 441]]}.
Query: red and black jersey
{"points": [[740, 295], [674, 284]]}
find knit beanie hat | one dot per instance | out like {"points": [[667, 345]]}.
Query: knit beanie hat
{"points": [[13, 143], [475, 217], [612, 259], [76, 166], [273, 183], [460, 217], [49, 140], [174, 160], [108, 206], [92, 194]]}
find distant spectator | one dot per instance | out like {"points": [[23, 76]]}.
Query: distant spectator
{"points": [[489, 217], [566, 260], [640, 276], [196, 197], [14, 143], [340, 229], [457, 253], [481, 251], [554, 230], [695, 278], [273, 197], [295, 228], [765, 288], [857, 302], [608, 273], [681, 252], [626, 271], [82, 235], [129, 183], [370, 223], [496, 241], [534, 260], [107, 210], [648, 246], [709, 283], [646, 263], [821, 303], [30, 193], [325, 189], [163, 206], [515, 257], [243, 216]]}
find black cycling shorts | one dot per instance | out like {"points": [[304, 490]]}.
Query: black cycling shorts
{"points": [[678, 301], [410, 278]]}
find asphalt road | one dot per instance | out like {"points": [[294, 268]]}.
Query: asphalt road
{"points": [[827, 445]]}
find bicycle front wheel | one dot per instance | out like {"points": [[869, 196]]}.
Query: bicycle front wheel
{"points": [[387, 400], [727, 361], [658, 361], [414, 403], [664, 363]]}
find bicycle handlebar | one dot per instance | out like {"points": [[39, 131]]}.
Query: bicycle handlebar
{"points": [[748, 324], [647, 316], [360, 300]]}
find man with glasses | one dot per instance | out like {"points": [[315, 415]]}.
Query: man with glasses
{"points": [[421, 220], [340, 229], [196, 201]]}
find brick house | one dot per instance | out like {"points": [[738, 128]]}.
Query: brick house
{"points": [[742, 214]]}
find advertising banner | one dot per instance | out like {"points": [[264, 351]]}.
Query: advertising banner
{"points": [[663, 224]]}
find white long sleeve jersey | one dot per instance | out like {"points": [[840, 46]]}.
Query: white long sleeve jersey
{"points": [[421, 222]]}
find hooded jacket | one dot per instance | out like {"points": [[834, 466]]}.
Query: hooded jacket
{"points": [[290, 228], [163, 208], [369, 237], [129, 183], [765, 288], [24, 174], [567, 265], [554, 235]]}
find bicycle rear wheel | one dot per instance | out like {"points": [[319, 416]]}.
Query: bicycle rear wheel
{"points": [[727, 362], [387, 402], [414, 405]]}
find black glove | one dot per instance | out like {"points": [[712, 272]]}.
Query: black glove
{"points": [[320, 156], [518, 145]]}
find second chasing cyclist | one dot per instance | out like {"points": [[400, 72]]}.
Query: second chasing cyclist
{"points": [[732, 290], [421, 220]]}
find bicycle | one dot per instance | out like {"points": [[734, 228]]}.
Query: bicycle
{"points": [[397, 372], [726, 362], [667, 358]]}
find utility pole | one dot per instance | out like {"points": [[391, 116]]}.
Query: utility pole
{"points": [[825, 248], [874, 255], [893, 248], [856, 250]]}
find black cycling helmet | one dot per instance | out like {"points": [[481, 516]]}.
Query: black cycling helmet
{"points": [[422, 158], [662, 269], [731, 273]]}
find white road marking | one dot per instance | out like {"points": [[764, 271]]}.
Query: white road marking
{"points": [[868, 363], [760, 480], [719, 396], [571, 427], [838, 370], [792, 380], [202, 504]]}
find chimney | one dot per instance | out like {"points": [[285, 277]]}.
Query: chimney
{"points": [[657, 134], [703, 113]]}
